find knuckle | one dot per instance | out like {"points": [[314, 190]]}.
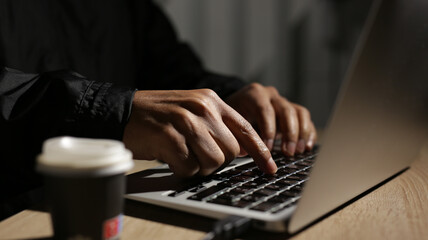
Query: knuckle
{"points": [[266, 110], [272, 90], [292, 133], [202, 106], [187, 122], [167, 131], [256, 87], [182, 153], [290, 111], [231, 152], [179, 114], [209, 93], [305, 129], [303, 110], [174, 140], [246, 127]]}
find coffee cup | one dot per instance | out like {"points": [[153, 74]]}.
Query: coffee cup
{"points": [[85, 185]]}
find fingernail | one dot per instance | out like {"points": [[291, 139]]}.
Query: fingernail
{"points": [[310, 144], [271, 166], [301, 146], [269, 144], [291, 148]]}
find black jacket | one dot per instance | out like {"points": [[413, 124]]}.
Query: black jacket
{"points": [[79, 64]]}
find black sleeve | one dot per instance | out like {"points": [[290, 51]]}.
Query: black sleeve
{"points": [[34, 107], [171, 64]]}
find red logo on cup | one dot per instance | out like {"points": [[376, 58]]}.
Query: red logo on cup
{"points": [[113, 227]]}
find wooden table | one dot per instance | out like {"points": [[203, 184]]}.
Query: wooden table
{"points": [[396, 210]]}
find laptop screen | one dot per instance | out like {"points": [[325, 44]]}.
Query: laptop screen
{"points": [[381, 116]]}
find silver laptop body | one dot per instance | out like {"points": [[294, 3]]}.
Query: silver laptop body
{"points": [[378, 126]]}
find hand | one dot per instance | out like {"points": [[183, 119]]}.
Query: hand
{"points": [[271, 113], [193, 131]]}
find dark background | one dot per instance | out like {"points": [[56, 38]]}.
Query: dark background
{"points": [[303, 47]]}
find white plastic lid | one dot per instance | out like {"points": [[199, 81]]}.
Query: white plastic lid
{"points": [[83, 156]]}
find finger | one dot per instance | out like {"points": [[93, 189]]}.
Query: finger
{"points": [[288, 124], [196, 131], [176, 153], [266, 121], [213, 147], [249, 140], [312, 138], [242, 152], [305, 127], [225, 140], [207, 152]]}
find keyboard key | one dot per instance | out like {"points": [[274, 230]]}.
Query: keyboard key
{"points": [[293, 166], [274, 187], [265, 192], [229, 195], [279, 199], [241, 189], [286, 182], [298, 176], [251, 184], [207, 192], [247, 166], [304, 172], [232, 172], [300, 156], [294, 177], [304, 163], [264, 206], [293, 192], [290, 194], [227, 183], [283, 207], [221, 201], [176, 193], [240, 204], [261, 180], [285, 171], [197, 188], [240, 178], [276, 154], [253, 173], [281, 163], [265, 179], [296, 188], [252, 198], [219, 177]]}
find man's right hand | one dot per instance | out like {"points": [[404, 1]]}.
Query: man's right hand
{"points": [[193, 131]]}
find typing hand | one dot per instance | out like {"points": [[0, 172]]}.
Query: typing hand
{"points": [[193, 131], [271, 113]]}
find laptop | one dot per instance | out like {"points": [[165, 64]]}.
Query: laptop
{"points": [[377, 128]]}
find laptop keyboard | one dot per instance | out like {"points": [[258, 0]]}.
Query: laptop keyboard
{"points": [[245, 186]]}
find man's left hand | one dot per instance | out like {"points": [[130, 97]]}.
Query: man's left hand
{"points": [[271, 113]]}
